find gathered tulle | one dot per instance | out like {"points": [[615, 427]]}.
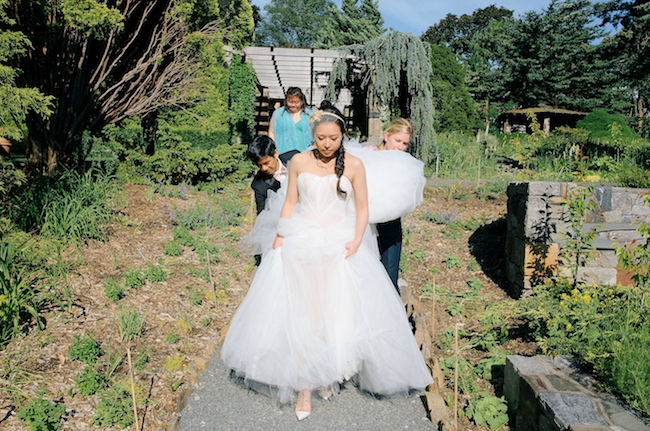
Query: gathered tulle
{"points": [[395, 183], [313, 318]]}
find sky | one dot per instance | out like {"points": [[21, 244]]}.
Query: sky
{"points": [[416, 16]]}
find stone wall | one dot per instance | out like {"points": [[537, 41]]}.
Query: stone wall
{"points": [[546, 394], [537, 231]]}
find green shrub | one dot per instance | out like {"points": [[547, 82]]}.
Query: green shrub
{"points": [[599, 124], [172, 337], [70, 207], [19, 291], [173, 248], [134, 278], [115, 407], [41, 414], [90, 381], [114, 290], [10, 179], [183, 236], [631, 175], [156, 273], [185, 164], [452, 262], [85, 349], [604, 327], [202, 139], [196, 295]]}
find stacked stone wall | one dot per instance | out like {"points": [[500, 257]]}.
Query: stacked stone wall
{"points": [[537, 231]]}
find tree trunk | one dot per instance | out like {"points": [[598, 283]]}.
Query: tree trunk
{"points": [[149, 130]]}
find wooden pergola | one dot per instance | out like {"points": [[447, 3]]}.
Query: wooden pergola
{"points": [[277, 69]]}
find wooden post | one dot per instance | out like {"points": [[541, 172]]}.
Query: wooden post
{"points": [[214, 290], [433, 308], [458, 325], [135, 407]]}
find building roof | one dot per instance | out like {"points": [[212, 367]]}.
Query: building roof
{"points": [[307, 68], [539, 110]]}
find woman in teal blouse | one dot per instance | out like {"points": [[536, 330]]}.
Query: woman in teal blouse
{"points": [[289, 126]]}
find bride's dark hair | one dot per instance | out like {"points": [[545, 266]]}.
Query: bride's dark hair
{"points": [[336, 117]]}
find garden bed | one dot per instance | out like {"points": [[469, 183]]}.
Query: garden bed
{"points": [[454, 242]]}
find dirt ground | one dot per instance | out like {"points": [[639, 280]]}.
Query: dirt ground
{"points": [[143, 227]]}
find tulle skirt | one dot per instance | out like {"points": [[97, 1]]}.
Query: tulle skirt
{"points": [[313, 318]]}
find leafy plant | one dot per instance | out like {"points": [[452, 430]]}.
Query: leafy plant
{"points": [[90, 381], [113, 289], [577, 247], [636, 257], [19, 291], [183, 236], [41, 414], [85, 349], [115, 407], [171, 337], [453, 261], [173, 248], [196, 295], [489, 410], [156, 273], [174, 363], [142, 358], [133, 278], [81, 213], [227, 212]]}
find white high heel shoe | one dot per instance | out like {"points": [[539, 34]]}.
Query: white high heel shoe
{"points": [[303, 405]]}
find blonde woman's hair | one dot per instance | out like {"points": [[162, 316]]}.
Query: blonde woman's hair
{"points": [[399, 125]]}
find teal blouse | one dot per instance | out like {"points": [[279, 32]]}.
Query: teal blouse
{"points": [[289, 135]]}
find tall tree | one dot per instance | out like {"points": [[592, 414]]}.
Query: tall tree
{"points": [[457, 32], [394, 69], [455, 108], [104, 61], [16, 102], [631, 46], [292, 23], [354, 24], [238, 15], [556, 60]]}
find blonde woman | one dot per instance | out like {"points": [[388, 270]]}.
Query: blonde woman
{"points": [[389, 234]]}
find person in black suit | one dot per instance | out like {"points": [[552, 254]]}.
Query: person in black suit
{"points": [[272, 170], [271, 165]]}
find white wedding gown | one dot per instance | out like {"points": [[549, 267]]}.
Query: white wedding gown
{"points": [[313, 318]]}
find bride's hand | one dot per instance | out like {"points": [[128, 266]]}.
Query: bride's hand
{"points": [[277, 242], [351, 248]]}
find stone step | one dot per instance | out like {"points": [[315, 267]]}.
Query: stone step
{"points": [[544, 394]]}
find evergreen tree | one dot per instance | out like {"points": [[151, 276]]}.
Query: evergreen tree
{"points": [[394, 68], [455, 108], [457, 32], [238, 14], [556, 61], [292, 23], [631, 47], [16, 102], [352, 24]]}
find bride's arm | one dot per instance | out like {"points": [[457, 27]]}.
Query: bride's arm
{"points": [[358, 179]]}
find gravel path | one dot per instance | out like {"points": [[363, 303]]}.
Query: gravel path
{"points": [[219, 402]]}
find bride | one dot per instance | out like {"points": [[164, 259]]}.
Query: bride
{"points": [[321, 308]]}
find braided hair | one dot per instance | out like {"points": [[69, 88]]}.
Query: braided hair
{"points": [[327, 113]]}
